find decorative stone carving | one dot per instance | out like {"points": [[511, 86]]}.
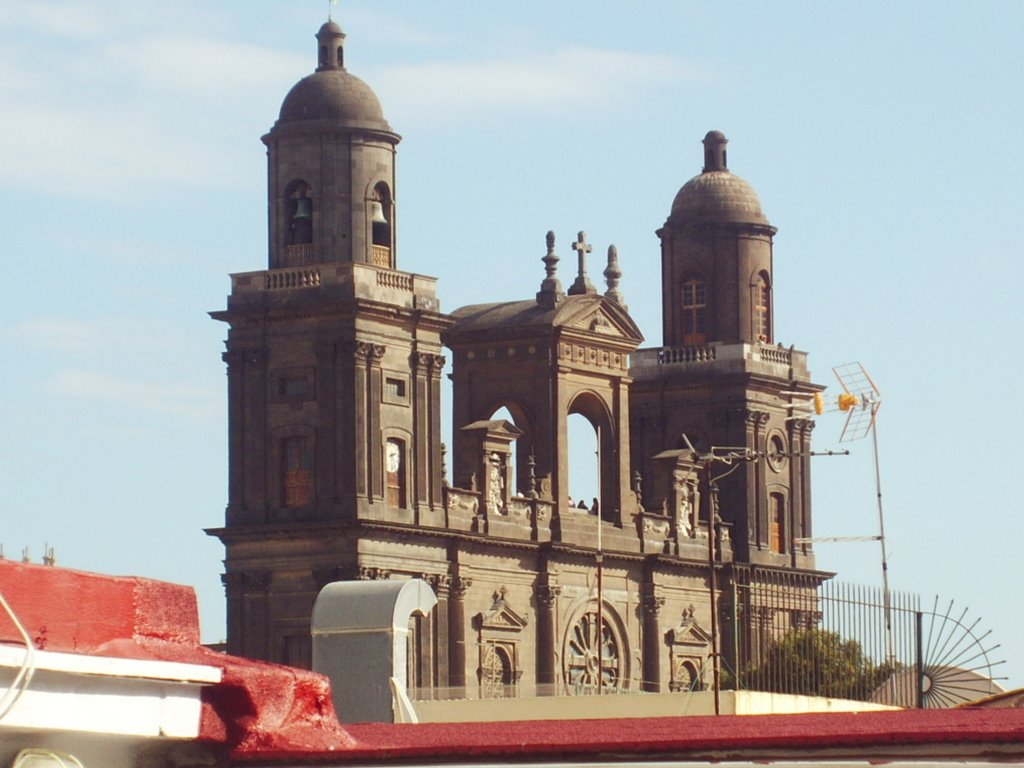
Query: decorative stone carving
{"points": [[652, 602], [439, 582], [463, 502], [496, 484], [654, 526], [373, 574], [459, 586], [689, 650], [520, 510], [368, 352], [547, 594]]}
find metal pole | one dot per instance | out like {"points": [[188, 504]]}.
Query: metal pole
{"points": [[600, 574], [890, 650], [919, 658], [713, 582]]}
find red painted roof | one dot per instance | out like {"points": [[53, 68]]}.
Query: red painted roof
{"points": [[934, 733], [256, 706]]}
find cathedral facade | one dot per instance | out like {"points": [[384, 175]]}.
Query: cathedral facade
{"points": [[337, 470]]}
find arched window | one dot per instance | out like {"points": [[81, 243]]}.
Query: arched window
{"points": [[394, 466], [695, 306], [298, 220], [296, 471], [496, 671], [594, 649], [762, 309], [381, 217]]}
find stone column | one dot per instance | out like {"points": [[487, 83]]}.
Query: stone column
{"points": [[236, 444], [253, 413], [547, 598], [441, 585], [361, 353], [800, 482], [652, 605], [435, 472], [234, 591], [248, 613], [375, 450], [457, 632], [754, 422], [419, 452]]}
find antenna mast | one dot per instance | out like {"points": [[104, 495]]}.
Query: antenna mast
{"points": [[862, 407]]}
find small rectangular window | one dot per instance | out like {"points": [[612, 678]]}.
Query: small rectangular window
{"points": [[293, 385], [395, 388]]}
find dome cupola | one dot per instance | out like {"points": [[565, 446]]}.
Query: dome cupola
{"points": [[332, 92], [716, 251], [717, 195]]}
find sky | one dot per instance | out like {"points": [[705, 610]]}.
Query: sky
{"points": [[883, 138]]}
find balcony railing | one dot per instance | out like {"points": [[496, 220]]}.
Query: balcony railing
{"points": [[277, 279]]}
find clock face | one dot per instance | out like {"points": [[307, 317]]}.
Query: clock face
{"points": [[394, 457]]}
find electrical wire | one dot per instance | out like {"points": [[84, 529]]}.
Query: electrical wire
{"points": [[28, 665]]}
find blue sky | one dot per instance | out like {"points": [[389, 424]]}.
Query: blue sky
{"points": [[883, 138]]}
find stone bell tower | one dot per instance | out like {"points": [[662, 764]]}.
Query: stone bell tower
{"points": [[331, 168], [720, 377], [334, 366]]}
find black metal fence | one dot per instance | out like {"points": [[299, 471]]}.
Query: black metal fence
{"points": [[794, 635]]}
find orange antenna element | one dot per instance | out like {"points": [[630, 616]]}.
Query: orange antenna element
{"points": [[847, 401]]}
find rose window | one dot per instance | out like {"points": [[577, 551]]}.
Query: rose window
{"points": [[592, 655]]}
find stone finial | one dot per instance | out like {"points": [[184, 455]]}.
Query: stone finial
{"points": [[582, 284], [531, 477], [551, 288], [612, 275]]}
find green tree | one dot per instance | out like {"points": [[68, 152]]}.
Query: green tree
{"points": [[817, 662]]}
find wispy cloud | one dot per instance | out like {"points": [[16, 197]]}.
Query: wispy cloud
{"points": [[446, 91], [75, 335], [108, 118], [192, 402]]}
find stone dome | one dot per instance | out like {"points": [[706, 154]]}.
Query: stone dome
{"points": [[334, 94], [717, 195], [331, 93]]}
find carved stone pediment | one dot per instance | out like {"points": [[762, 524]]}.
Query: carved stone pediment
{"points": [[689, 634], [499, 617], [597, 322]]}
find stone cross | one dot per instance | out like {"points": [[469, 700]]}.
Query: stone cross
{"points": [[582, 283]]}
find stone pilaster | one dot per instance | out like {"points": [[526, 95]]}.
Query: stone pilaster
{"points": [[457, 631], [652, 604], [546, 596]]}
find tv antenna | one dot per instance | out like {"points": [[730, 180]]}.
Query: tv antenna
{"points": [[861, 399]]}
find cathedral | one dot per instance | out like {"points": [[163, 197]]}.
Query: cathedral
{"points": [[337, 471]]}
